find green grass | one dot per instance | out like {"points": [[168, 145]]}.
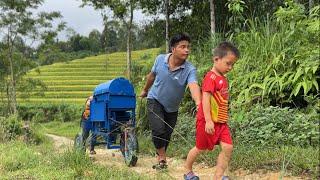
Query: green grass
{"points": [[74, 81], [286, 159], [66, 129], [71, 82], [21, 161], [77, 101], [298, 161], [71, 87]]}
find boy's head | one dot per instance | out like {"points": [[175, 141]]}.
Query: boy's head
{"points": [[180, 45], [224, 57]]}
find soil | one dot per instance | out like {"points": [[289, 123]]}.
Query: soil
{"points": [[114, 158]]}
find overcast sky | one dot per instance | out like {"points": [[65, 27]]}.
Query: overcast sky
{"points": [[82, 20]]}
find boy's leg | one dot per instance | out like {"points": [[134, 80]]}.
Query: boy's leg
{"points": [[223, 159], [192, 155]]}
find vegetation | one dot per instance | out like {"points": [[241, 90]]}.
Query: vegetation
{"points": [[19, 160], [74, 81], [274, 86]]}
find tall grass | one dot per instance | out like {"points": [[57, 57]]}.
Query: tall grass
{"points": [[21, 161], [279, 61]]}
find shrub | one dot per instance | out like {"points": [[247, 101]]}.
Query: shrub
{"points": [[274, 126], [280, 59], [185, 130], [50, 112], [10, 128]]}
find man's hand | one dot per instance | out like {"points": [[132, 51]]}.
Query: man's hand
{"points": [[209, 128], [150, 79], [143, 93]]}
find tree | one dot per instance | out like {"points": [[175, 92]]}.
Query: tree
{"points": [[122, 10], [18, 20], [212, 18], [109, 37], [168, 8], [94, 39]]}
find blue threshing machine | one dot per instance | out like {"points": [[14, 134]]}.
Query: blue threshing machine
{"points": [[112, 118]]}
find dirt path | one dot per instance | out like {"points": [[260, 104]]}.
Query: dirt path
{"points": [[175, 171]]}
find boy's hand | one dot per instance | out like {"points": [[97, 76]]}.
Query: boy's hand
{"points": [[209, 128]]}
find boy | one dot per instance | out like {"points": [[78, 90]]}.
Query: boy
{"points": [[212, 116]]}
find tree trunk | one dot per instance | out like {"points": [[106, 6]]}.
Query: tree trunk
{"points": [[12, 83], [310, 5], [129, 26], [8, 97], [104, 32], [212, 18], [167, 4]]}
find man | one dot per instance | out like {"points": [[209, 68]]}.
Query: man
{"points": [[169, 76], [85, 131]]}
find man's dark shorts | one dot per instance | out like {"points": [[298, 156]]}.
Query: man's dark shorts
{"points": [[161, 123]]}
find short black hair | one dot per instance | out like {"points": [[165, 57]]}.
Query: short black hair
{"points": [[177, 38], [223, 48]]}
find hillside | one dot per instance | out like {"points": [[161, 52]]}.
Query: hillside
{"points": [[74, 81]]}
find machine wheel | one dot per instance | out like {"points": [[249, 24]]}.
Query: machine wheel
{"points": [[129, 146], [79, 143]]}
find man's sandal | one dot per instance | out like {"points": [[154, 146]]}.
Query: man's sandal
{"points": [[92, 152], [161, 165]]}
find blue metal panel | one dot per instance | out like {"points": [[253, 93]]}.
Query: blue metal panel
{"points": [[118, 86], [98, 111], [122, 102]]}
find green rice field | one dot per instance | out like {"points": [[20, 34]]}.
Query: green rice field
{"points": [[74, 81]]}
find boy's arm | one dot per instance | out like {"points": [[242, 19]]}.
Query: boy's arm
{"points": [[195, 92], [150, 79], [209, 128]]}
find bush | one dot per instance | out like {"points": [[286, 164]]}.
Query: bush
{"points": [[279, 59], [184, 132], [10, 128], [274, 126], [50, 112], [13, 128]]}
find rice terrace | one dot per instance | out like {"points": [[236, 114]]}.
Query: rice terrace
{"points": [[137, 89]]}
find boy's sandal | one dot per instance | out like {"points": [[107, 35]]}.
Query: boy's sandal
{"points": [[161, 165], [225, 178], [190, 176]]}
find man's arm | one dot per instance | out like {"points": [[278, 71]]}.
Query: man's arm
{"points": [[150, 79], [195, 92]]}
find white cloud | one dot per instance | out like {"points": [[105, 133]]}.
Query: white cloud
{"points": [[82, 20]]}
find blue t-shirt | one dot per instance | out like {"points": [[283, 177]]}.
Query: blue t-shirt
{"points": [[169, 86]]}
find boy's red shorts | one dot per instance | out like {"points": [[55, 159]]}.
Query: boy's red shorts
{"points": [[205, 141]]}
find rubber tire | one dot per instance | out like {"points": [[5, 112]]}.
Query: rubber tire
{"points": [[130, 152]]}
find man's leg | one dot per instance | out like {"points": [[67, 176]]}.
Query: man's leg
{"points": [[223, 159], [85, 132], [157, 126], [92, 143], [170, 123]]}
